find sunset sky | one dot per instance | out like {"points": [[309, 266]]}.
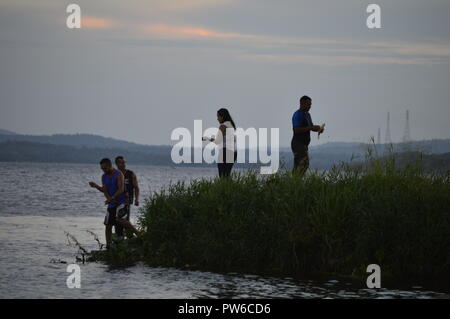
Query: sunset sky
{"points": [[136, 70]]}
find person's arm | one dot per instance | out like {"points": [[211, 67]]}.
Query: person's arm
{"points": [[136, 190], [120, 185], [94, 185], [297, 121], [220, 134], [314, 128]]}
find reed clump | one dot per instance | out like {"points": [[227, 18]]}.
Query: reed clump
{"points": [[333, 222]]}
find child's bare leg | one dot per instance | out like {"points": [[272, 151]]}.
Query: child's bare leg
{"points": [[108, 234]]}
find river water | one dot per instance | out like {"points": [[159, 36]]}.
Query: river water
{"points": [[41, 203]]}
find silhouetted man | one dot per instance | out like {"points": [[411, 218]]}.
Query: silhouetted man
{"points": [[302, 126]]}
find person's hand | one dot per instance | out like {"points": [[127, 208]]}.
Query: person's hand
{"points": [[322, 128], [316, 128], [136, 203], [110, 201], [93, 185]]}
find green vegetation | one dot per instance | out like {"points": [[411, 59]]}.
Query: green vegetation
{"points": [[336, 222]]}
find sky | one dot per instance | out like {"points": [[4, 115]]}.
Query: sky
{"points": [[136, 69]]}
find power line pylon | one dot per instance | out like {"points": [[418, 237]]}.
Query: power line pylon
{"points": [[388, 130], [407, 134]]}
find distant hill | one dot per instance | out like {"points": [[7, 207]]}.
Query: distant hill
{"points": [[6, 132], [429, 162], [439, 162], [348, 148], [89, 148], [77, 140], [23, 151], [435, 146]]}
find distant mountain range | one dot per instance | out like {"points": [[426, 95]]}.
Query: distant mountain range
{"points": [[24, 151], [6, 132], [77, 140], [89, 148]]}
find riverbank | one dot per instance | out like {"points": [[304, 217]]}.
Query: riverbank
{"points": [[335, 222]]}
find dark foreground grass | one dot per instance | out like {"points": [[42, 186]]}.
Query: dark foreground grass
{"points": [[335, 222]]}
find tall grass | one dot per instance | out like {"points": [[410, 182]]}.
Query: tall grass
{"points": [[337, 221]]}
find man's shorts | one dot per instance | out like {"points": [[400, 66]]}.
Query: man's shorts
{"points": [[301, 157], [114, 213]]}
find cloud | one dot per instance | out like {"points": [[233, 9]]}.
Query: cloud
{"points": [[171, 28], [188, 4], [96, 22], [168, 31], [420, 49], [341, 60], [283, 49]]}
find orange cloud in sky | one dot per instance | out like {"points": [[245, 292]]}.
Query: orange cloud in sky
{"points": [[428, 49], [336, 60], [279, 49], [189, 32], [96, 22]]}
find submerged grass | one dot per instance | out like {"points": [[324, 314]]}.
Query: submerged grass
{"points": [[337, 222]]}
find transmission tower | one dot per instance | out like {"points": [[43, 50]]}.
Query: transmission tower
{"points": [[406, 135], [388, 130]]}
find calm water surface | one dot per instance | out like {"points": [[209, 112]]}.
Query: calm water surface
{"points": [[41, 202]]}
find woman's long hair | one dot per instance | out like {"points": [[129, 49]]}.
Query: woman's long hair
{"points": [[226, 116]]}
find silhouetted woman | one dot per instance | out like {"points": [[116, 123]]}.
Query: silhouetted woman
{"points": [[226, 142]]}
